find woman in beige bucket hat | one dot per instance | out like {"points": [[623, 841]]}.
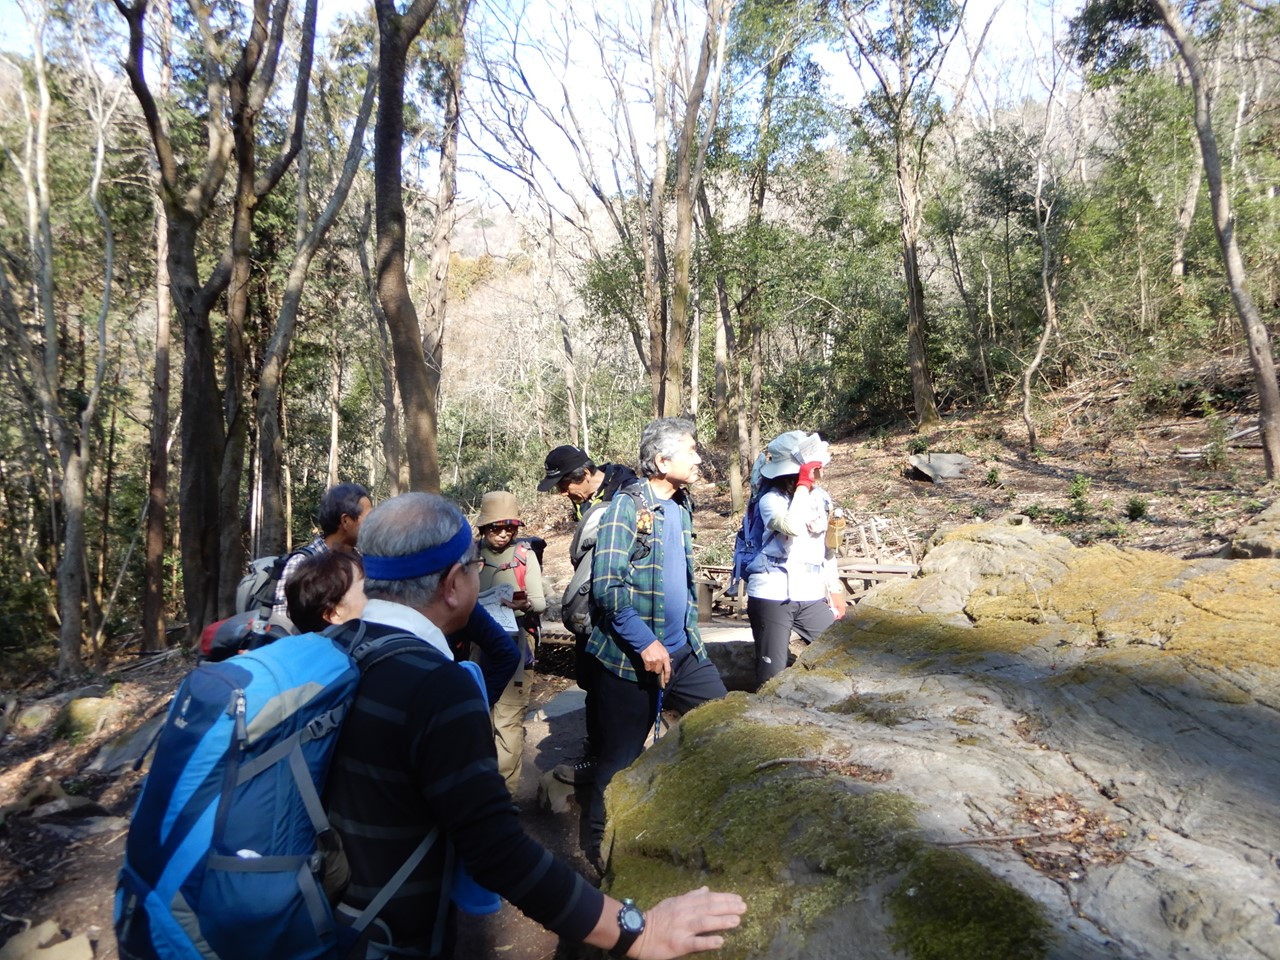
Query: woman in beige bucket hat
{"points": [[508, 560]]}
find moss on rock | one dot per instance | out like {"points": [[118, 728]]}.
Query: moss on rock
{"points": [[84, 717], [794, 844], [948, 907]]}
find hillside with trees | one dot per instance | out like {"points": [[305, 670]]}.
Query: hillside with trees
{"points": [[252, 249]]}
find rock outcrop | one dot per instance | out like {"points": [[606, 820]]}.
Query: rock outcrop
{"points": [[1261, 537], [1031, 750]]}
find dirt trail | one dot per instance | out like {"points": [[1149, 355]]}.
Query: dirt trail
{"points": [[1092, 484]]}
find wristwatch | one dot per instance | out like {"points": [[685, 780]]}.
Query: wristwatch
{"points": [[630, 926]]}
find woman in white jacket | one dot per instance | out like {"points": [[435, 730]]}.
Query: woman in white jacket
{"points": [[788, 582]]}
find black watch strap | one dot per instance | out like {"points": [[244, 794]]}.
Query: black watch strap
{"points": [[630, 926], [625, 940]]}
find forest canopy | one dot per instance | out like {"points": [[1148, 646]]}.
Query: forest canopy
{"points": [[248, 250]]}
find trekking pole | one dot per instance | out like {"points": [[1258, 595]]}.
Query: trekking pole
{"points": [[657, 719]]}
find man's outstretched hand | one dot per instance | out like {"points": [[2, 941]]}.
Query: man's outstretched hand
{"points": [[689, 923]]}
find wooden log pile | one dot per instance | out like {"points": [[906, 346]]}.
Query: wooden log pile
{"points": [[870, 549]]}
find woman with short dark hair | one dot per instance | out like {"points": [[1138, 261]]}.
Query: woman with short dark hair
{"points": [[325, 589]]}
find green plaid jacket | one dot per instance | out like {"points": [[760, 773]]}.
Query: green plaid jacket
{"points": [[617, 584]]}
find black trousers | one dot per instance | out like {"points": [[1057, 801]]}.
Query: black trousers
{"points": [[772, 622], [585, 668], [627, 710]]}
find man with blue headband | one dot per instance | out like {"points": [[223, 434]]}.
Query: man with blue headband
{"points": [[416, 759]]}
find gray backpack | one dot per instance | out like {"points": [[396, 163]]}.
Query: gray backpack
{"points": [[257, 588], [575, 608]]}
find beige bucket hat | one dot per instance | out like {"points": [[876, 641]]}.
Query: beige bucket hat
{"points": [[498, 506]]}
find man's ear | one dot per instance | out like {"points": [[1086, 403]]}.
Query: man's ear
{"points": [[447, 591], [447, 600]]}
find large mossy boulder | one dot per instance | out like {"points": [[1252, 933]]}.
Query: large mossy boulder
{"points": [[1029, 751]]}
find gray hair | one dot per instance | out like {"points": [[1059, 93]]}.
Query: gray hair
{"points": [[403, 525], [659, 439]]}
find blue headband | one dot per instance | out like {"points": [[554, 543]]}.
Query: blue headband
{"points": [[431, 560]]}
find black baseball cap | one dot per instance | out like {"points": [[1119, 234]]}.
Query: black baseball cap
{"points": [[560, 461]]}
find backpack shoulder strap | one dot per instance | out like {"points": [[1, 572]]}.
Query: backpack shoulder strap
{"points": [[644, 539], [520, 560], [306, 550], [369, 651]]}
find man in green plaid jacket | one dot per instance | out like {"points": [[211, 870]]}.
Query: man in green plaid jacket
{"points": [[645, 608]]}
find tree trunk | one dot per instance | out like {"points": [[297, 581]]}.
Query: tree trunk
{"points": [[433, 327], [270, 379], [390, 396], [926, 407], [677, 327], [728, 373], [235, 351], [395, 33], [1255, 331], [690, 152], [978, 351], [200, 436], [210, 519], [1049, 291], [286, 476], [71, 567], [570, 383], [335, 412], [566, 340], [108, 482], [695, 348], [720, 373], [755, 334], [153, 621], [1186, 215], [655, 259], [748, 315]]}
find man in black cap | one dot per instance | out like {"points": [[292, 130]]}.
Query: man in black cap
{"points": [[571, 472]]}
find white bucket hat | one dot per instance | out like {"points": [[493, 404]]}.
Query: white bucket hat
{"points": [[787, 453]]}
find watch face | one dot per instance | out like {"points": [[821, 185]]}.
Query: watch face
{"points": [[630, 918]]}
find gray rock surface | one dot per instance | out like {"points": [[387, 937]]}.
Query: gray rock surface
{"points": [[90, 827], [731, 649], [43, 942], [1094, 729], [121, 753], [35, 717], [939, 466], [19, 945], [1261, 538]]}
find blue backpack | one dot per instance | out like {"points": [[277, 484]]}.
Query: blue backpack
{"points": [[229, 849], [748, 545]]}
